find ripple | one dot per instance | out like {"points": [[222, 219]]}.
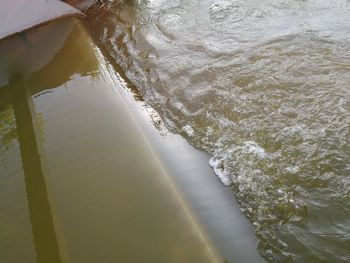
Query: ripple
{"points": [[263, 86], [173, 22]]}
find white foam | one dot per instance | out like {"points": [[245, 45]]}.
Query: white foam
{"points": [[253, 147], [188, 129], [220, 171]]}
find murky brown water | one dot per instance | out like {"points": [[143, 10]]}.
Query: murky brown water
{"points": [[78, 180], [263, 86]]}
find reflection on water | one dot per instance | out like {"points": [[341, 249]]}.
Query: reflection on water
{"points": [[44, 236], [20, 57], [69, 187], [25, 59], [7, 127], [264, 87]]}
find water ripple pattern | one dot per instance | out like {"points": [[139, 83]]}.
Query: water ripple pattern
{"points": [[263, 86]]}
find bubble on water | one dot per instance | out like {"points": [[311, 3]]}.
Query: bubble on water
{"points": [[262, 86], [188, 130], [225, 12], [220, 171]]}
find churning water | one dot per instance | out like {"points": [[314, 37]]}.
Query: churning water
{"points": [[263, 86]]}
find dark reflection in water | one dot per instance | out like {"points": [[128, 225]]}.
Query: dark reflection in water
{"points": [[44, 235], [25, 59], [83, 198]]}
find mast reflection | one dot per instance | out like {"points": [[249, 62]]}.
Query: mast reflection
{"points": [[31, 63], [43, 229]]}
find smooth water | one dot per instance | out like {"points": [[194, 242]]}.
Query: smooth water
{"points": [[79, 181], [263, 86]]}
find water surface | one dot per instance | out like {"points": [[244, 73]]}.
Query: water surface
{"points": [[79, 182], [263, 86]]}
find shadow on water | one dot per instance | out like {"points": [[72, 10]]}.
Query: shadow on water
{"points": [[93, 209], [43, 229], [26, 58]]}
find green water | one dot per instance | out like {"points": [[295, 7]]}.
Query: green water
{"points": [[78, 180]]}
